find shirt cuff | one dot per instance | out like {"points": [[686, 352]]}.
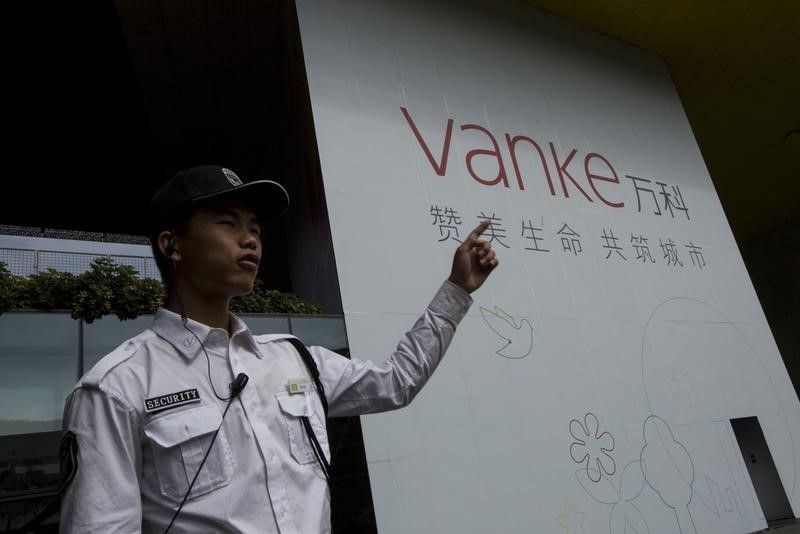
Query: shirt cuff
{"points": [[451, 302]]}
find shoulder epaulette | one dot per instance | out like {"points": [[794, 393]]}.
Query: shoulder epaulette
{"points": [[108, 362]]}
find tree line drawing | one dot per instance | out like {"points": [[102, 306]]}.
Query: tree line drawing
{"points": [[664, 464]]}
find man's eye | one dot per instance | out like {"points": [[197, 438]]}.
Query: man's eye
{"points": [[256, 231], [229, 223]]}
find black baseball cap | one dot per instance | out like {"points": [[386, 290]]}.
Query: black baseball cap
{"points": [[269, 198]]}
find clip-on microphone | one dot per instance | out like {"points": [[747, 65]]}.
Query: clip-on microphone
{"points": [[238, 386]]}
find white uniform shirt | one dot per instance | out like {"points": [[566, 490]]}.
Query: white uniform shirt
{"points": [[135, 465]]}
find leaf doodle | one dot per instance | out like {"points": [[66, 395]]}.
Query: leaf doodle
{"points": [[602, 490], [627, 519], [632, 481]]}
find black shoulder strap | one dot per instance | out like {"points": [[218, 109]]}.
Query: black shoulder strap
{"points": [[312, 370]]}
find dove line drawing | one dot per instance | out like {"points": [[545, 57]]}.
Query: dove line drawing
{"points": [[518, 336]]}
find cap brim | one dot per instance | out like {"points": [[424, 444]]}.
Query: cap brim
{"points": [[269, 198]]}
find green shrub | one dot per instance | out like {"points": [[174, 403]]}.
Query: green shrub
{"points": [[13, 290], [287, 303], [94, 292], [255, 302], [51, 290], [108, 288], [262, 300], [142, 295]]}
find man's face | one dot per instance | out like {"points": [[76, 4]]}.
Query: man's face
{"points": [[221, 251]]}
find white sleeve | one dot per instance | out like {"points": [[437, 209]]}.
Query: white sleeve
{"points": [[354, 387], [104, 494]]}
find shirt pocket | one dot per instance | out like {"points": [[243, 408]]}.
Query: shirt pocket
{"points": [[179, 443], [293, 407]]}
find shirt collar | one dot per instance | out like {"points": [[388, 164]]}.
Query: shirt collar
{"points": [[238, 328], [169, 326]]}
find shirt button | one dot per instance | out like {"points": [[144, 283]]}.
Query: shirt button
{"points": [[273, 458]]}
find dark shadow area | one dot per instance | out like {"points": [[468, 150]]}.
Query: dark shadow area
{"points": [[773, 262], [106, 100], [761, 468]]}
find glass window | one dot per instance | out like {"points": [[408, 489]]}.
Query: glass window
{"points": [[106, 334], [39, 357], [328, 332], [266, 324], [29, 463]]}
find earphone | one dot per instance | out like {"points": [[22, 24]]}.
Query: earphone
{"points": [[169, 250]]}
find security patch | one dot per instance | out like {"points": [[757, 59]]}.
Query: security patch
{"points": [[171, 400]]}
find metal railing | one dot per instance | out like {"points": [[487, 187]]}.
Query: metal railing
{"points": [[25, 262]]}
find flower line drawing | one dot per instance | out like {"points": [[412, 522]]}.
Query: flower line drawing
{"points": [[591, 447], [571, 519]]}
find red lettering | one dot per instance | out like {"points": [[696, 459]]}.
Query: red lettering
{"points": [[599, 174], [441, 167], [562, 170], [590, 176], [512, 141], [501, 170]]}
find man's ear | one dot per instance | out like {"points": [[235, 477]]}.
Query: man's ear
{"points": [[167, 245]]}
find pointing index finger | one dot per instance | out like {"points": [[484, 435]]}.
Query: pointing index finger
{"points": [[476, 233]]}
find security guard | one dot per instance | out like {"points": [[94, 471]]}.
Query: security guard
{"points": [[166, 433]]}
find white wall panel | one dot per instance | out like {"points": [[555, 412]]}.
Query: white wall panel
{"points": [[648, 356]]}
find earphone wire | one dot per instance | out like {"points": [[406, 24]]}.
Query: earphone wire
{"points": [[188, 491], [185, 321], [234, 393]]}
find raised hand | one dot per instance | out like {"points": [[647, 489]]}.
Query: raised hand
{"points": [[473, 261]]}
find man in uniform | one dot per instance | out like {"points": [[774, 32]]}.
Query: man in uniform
{"points": [[165, 433]]}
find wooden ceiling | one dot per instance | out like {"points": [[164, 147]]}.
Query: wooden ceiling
{"points": [[736, 67]]}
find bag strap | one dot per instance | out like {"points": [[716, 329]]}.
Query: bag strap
{"points": [[311, 365]]}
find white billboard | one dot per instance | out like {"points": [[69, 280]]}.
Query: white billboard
{"points": [[591, 386]]}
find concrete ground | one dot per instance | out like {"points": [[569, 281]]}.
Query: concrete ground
{"points": [[787, 526]]}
